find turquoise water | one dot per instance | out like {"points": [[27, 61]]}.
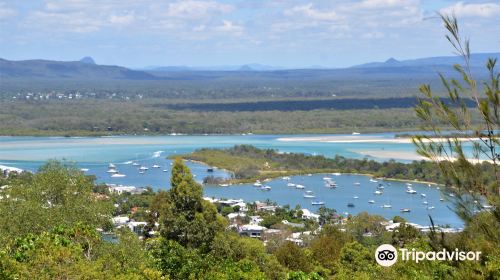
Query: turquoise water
{"points": [[96, 153]]}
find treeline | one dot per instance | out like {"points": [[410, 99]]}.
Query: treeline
{"points": [[303, 105], [248, 162]]}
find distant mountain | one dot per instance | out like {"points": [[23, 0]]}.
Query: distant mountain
{"points": [[88, 60], [246, 67], [83, 69], [477, 60]]}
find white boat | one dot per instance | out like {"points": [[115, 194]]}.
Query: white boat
{"points": [[111, 166], [112, 171], [356, 133], [371, 201], [357, 183], [330, 185], [487, 207], [409, 184], [165, 170], [425, 202], [441, 199], [257, 184], [355, 197], [327, 178], [156, 166], [437, 188], [143, 168], [141, 172], [373, 181], [118, 175], [423, 195], [411, 191], [265, 188], [309, 174], [300, 187], [135, 163], [224, 185], [309, 194], [386, 206], [430, 207], [377, 193], [286, 178], [336, 174], [451, 195], [84, 169], [405, 210], [290, 185], [317, 202], [380, 187]]}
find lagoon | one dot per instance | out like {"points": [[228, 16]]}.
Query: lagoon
{"points": [[95, 153]]}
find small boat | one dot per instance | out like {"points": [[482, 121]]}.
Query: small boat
{"points": [[118, 175], [300, 187], [411, 191], [380, 187], [156, 166], [355, 197], [257, 184], [425, 203], [357, 183], [437, 188], [451, 195], [135, 164], [112, 171], [143, 168], [350, 204], [309, 174], [141, 172], [84, 169], [336, 174], [327, 178], [371, 201], [377, 193], [430, 207], [487, 207], [423, 195], [210, 170], [441, 199], [290, 185], [309, 194], [373, 181], [265, 188], [331, 185], [386, 206], [224, 185], [165, 170], [317, 202], [111, 166], [409, 184], [356, 133], [405, 210], [286, 178]]}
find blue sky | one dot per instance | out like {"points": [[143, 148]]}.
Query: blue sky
{"points": [[333, 33]]}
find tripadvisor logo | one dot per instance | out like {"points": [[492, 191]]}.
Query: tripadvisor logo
{"points": [[387, 255]]}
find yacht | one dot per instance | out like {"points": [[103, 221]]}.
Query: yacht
{"points": [[286, 178], [386, 206], [84, 169], [300, 187], [265, 188], [143, 168], [423, 195], [430, 207], [336, 174], [441, 199], [314, 202], [380, 187], [111, 166], [411, 191], [257, 184], [135, 163], [425, 203], [156, 166], [356, 133], [377, 193], [141, 172], [112, 170], [118, 175], [371, 201], [405, 210], [290, 185], [327, 178], [309, 194], [224, 185], [355, 197], [373, 181], [165, 170], [357, 183], [451, 195]]}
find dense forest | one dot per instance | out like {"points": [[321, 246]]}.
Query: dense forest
{"points": [[49, 221]]}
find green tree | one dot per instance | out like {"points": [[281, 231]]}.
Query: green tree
{"points": [[186, 217]]}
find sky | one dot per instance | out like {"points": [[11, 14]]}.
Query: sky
{"points": [[286, 33]]}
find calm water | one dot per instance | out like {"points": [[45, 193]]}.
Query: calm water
{"points": [[96, 153]]}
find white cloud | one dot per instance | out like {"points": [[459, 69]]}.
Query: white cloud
{"points": [[314, 14], [462, 9], [229, 27], [378, 4], [197, 9], [6, 12], [122, 19]]}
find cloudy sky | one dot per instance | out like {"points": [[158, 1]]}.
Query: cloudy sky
{"points": [[290, 33]]}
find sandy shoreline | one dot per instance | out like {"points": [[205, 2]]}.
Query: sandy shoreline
{"points": [[362, 139]]}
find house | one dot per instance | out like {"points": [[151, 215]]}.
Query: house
{"points": [[120, 220], [308, 215], [253, 231], [137, 227]]}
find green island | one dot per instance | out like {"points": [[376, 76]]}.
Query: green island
{"points": [[248, 164]]}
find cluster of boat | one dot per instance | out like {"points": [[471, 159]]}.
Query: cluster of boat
{"points": [[112, 169]]}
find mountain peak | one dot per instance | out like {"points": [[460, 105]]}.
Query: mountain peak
{"points": [[392, 60], [88, 60]]}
